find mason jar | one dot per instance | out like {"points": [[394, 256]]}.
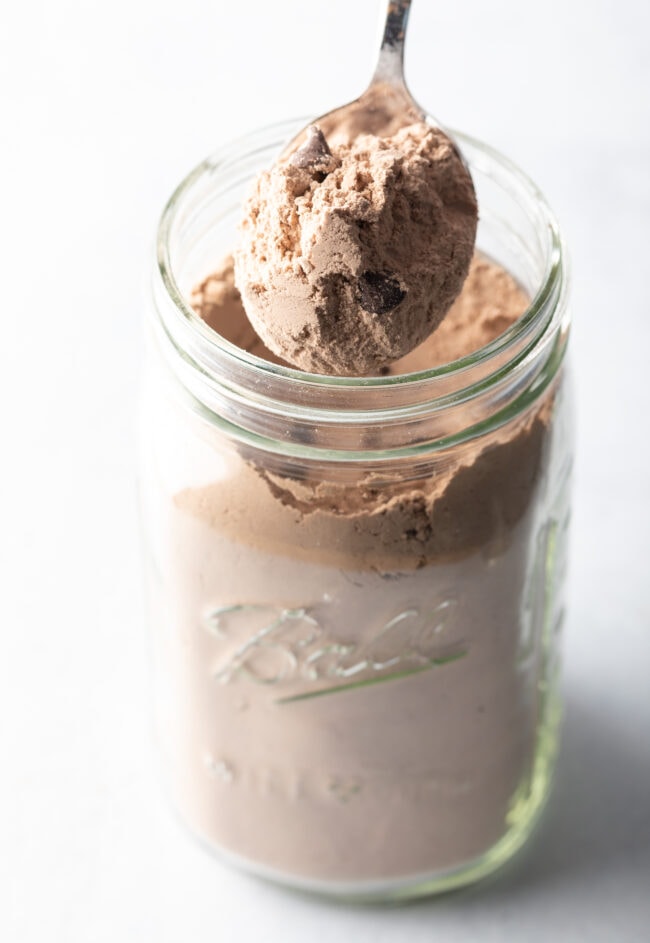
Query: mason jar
{"points": [[355, 585]]}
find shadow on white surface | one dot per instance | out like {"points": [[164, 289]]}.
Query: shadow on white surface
{"points": [[584, 875], [598, 818], [596, 826]]}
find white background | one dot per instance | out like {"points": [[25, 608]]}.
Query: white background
{"points": [[104, 107]]}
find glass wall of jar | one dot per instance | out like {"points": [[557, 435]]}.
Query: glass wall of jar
{"points": [[355, 585]]}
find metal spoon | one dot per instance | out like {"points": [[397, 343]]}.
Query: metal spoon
{"points": [[353, 298], [386, 105]]}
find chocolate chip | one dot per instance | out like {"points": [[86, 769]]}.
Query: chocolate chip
{"points": [[379, 294], [314, 153]]}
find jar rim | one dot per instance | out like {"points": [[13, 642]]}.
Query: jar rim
{"points": [[208, 359], [555, 253]]}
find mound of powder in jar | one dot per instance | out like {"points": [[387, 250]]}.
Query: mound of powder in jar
{"points": [[489, 303]]}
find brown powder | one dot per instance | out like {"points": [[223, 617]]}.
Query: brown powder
{"points": [[218, 302], [348, 260], [351, 672], [465, 501], [490, 302]]}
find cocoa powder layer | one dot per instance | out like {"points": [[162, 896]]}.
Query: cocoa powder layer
{"points": [[350, 258], [464, 505], [489, 303], [218, 302], [464, 501], [381, 778]]}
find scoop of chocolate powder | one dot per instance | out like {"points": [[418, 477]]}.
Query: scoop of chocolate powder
{"points": [[351, 255]]}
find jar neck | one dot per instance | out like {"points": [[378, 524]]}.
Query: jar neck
{"points": [[288, 411]]}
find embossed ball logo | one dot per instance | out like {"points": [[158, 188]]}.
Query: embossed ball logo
{"points": [[272, 646]]}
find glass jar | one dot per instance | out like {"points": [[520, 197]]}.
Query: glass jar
{"points": [[355, 585]]}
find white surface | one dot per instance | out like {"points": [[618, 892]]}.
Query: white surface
{"points": [[104, 108]]}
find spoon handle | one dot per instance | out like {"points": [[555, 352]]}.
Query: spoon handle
{"points": [[390, 62]]}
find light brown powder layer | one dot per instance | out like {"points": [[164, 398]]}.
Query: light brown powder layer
{"points": [[481, 493], [464, 502], [468, 502], [489, 303]]}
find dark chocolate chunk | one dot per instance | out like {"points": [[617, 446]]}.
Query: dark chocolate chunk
{"points": [[314, 153], [379, 294]]}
